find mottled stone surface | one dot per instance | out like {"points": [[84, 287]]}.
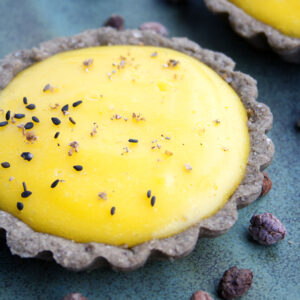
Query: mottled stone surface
{"points": [[24, 23]]}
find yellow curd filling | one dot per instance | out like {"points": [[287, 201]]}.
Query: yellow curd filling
{"points": [[128, 143], [283, 15]]}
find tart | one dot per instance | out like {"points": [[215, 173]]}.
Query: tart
{"points": [[125, 146], [265, 24]]}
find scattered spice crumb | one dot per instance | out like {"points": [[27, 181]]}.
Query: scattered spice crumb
{"points": [[11, 178], [30, 136], [154, 54], [188, 167], [48, 88], [94, 130], [55, 106], [88, 62], [169, 153], [103, 195], [217, 121], [74, 147]]}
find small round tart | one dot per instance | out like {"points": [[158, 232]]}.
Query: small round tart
{"points": [[270, 22], [143, 145]]}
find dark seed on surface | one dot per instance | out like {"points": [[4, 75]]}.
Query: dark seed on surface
{"points": [[56, 135], [56, 121], [30, 106], [72, 120], [27, 156], [7, 116], [35, 119], [78, 167], [20, 205], [149, 193], [75, 104], [25, 100], [153, 199], [3, 123], [5, 165], [54, 183], [115, 21], [65, 108], [133, 141], [26, 194], [28, 125], [19, 116], [113, 211]]}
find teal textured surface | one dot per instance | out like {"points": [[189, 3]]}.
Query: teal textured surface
{"points": [[25, 23]]}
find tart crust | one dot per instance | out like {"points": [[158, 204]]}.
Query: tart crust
{"points": [[25, 242], [257, 33]]}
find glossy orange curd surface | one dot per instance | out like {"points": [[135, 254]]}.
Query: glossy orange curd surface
{"points": [[158, 143]]}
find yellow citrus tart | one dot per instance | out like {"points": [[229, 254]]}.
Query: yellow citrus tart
{"points": [[119, 145], [272, 22]]}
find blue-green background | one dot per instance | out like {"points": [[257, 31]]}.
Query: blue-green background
{"points": [[25, 23]]}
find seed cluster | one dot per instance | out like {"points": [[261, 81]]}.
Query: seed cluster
{"points": [[74, 146]]}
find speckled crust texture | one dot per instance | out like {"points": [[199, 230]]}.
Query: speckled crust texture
{"points": [[257, 33], [25, 242]]}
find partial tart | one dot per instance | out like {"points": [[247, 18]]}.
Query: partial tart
{"points": [[127, 152], [265, 24]]}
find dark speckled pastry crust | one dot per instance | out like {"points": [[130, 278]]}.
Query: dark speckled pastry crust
{"points": [[25, 242], [257, 33]]}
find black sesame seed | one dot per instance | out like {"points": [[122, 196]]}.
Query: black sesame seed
{"points": [[35, 119], [153, 199], [149, 193], [77, 103], [78, 168], [54, 183], [72, 120], [28, 125], [20, 205], [25, 100], [5, 165], [56, 135], [7, 116], [3, 123], [30, 106], [19, 116], [65, 108], [26, 194], [24, 186], [56, 121], [113, 211], [27, 156], [133, 141]]}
